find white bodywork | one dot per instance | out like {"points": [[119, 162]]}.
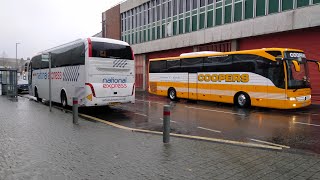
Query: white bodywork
{"points": [[98, 72]]}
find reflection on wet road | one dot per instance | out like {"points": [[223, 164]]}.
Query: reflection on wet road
{"points": [[297, 129]]}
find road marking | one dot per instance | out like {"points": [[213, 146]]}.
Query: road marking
{"points": [[170, 120], [185, 136], [269, 143], [309, 114], [149, 101], [141, 114], [209, 129], [306, 124], [215, 111]]}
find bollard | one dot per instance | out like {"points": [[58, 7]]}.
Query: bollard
{"points": [[166, 123], [75, 110]]}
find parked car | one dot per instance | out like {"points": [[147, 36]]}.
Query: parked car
{"points": [[23, 87]]}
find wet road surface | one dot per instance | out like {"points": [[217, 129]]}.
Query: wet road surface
{"points": [[298, 129]]}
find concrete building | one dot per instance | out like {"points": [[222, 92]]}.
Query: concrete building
{"points": [[162, 28]]}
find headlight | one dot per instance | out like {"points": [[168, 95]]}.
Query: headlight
{"points": [[292, 98]]}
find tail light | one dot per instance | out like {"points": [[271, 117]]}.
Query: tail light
{"points": [[92, 89], [133, 89], [89, 48]]}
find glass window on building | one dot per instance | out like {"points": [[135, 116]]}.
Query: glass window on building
{"points": [[238, 11], [158, 32], [287, 5], [163, 11], [260, 8], [181, 4], [187, 24], [174, 27], [248, 5], [194, 4], [158, 13], [194, 22], [210, 1], [210, 19], [202, 21], [219, 16], [163, 27], [227, 13], [153, 37], [169, 9], [180, 26], [187, 6], [202, 3], [301, 3], [273, 6], [316, 1], [174, 2]]}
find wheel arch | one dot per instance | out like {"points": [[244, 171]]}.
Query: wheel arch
{"points": [[65, 91]]}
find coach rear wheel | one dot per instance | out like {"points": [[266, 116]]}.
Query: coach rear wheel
{"points": [[172, 94], [64, 101], [243, 100]]}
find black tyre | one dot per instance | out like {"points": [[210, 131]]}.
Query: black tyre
{"points": [[37, 95], [64, 101], [242, 100], [172, 94]]}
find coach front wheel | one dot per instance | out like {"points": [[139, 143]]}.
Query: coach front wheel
{"points": [[37, 95], [242, 100], [172, 94]]}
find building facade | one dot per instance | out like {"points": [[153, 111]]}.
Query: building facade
{"points": [[162, 28]]}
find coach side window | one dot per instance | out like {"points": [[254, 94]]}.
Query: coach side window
{"points": [[192, 65], [36, 62], [173, 65], [218, 64], [245, 63], [157, 66]]}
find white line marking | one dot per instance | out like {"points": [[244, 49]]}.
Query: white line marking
{"points": [[265, 142], [216, 111], [149, 101], [310, 114], [140, 114], [209, 129], [170, 120], [318, 125]]}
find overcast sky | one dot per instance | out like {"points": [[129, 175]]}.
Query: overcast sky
{"points": [[42, 24]]}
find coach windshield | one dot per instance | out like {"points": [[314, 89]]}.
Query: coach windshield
{"points": [[110, 50]]}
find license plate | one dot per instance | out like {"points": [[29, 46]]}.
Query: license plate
{"points": [[114, 103]]}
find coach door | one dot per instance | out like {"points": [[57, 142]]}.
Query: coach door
{"points": [[193, 85], [192, 66]]}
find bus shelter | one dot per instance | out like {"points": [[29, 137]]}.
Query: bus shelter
{"points": [[8, 83]]}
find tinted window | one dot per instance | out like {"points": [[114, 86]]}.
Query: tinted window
{"points": [[262, 66], [192, 65], [173, 66], [274, 53], [68, 56], [108, 50], [218, 64], [157, 66], [36, 62], [245, 63]]}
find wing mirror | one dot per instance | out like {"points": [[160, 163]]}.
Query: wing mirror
{"points": [[296, 65]]}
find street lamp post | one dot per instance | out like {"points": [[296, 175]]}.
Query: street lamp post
{"points": [[16, 88], [17, 55]]}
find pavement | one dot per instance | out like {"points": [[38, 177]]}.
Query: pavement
{"points": [[38, 144]]}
